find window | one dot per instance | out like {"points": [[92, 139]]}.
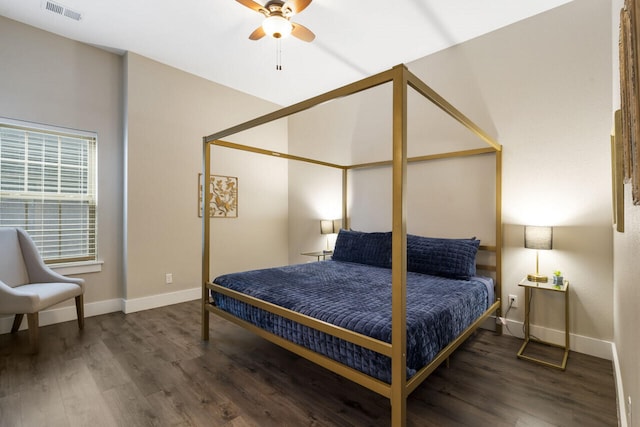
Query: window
{"points": [[48, 187]]}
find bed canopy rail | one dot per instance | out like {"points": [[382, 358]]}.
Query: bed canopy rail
{"points": [[399, 388]]}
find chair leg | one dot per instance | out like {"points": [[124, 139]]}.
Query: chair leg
{"points": [[32, 320], [80, 311], [17, 321]]}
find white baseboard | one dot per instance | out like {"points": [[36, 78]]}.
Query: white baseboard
{"points": [[578, 343], [160, 300], [65, 314], [620, 397]]}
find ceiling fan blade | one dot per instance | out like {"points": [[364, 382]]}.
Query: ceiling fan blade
{"points": [[254, 6], [298, 5], [302, 32], [257, 34]]}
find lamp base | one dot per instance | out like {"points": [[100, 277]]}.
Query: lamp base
{"points": [[537, 278]]}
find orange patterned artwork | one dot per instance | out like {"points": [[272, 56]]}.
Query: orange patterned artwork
{"points": [[224, 196], [630, 94]]}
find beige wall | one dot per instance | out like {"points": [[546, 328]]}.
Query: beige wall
{"points": [[626, 299], [546, 96], [626, 292], [48, 79], [147, 212], [168, 112]]}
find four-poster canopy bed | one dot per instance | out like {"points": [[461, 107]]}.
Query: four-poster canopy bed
{"points": [[394, 371]]}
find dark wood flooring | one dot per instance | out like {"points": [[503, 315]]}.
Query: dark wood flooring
{"points": [[151, 369]]}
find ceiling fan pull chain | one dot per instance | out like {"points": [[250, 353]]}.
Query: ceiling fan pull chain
{"points": [[278, 55]]}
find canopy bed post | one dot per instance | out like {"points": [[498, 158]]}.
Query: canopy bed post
{"points": [[498, 254], [399, 251], [345, 212], [205, 195]]}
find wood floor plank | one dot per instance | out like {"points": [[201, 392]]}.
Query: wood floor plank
{"points": [[129, 407], [261, 400], [146, 370], [6, 388], [215, 398], [150, 368], [106, 370], [8, 414], [82, 398], [41, 403]]}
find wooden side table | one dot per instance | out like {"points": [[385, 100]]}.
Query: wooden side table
{"points": [[529, 288]]}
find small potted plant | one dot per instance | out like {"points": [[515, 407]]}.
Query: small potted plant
{"points": [[557, 278]]}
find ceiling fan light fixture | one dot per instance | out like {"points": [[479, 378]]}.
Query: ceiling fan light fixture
{"points": [[277, 26]]}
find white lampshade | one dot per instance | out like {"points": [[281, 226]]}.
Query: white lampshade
{"points": [[330, 226], [277, 26], [326, 226], [538, 237]]}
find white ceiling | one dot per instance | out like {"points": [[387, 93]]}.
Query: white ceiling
{"points": [[209, 38]]}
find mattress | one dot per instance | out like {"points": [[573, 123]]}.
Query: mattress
{"points": [[358, 297]]}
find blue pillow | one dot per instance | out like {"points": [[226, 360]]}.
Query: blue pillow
{"points": [[453, 258], [363, 248]]}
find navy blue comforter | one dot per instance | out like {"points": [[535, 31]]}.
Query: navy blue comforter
{"points": [[358, 297]]}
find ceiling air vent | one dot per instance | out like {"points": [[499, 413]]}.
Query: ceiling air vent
{"points": [[59, 9]]}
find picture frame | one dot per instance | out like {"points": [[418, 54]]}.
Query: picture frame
{"points": [[617, 172], [629, 95], [224, 196]]}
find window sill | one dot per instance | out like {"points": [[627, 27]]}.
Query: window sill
{"points": [[78, 267]]}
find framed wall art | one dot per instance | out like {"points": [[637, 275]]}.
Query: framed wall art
{"points": [[629, 95], [224, 196]]}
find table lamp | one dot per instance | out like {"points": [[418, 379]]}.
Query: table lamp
{"points": [[329, 226], [538, 238]]}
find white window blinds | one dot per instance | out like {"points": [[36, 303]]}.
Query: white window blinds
{"points": [[48, 187]]}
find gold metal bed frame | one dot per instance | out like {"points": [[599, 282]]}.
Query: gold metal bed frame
{"points": [[399, 388]]}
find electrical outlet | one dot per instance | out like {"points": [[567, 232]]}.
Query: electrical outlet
{"points": [[513, 301], [168, 278]]}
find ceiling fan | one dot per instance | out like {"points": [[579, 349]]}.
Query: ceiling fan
{"points": [[277, 23]]}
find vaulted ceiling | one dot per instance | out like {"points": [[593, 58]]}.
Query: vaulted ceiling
{"points": [[210, 38]]}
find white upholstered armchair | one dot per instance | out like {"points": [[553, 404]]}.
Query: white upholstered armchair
{"points": [[28, 286]]}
